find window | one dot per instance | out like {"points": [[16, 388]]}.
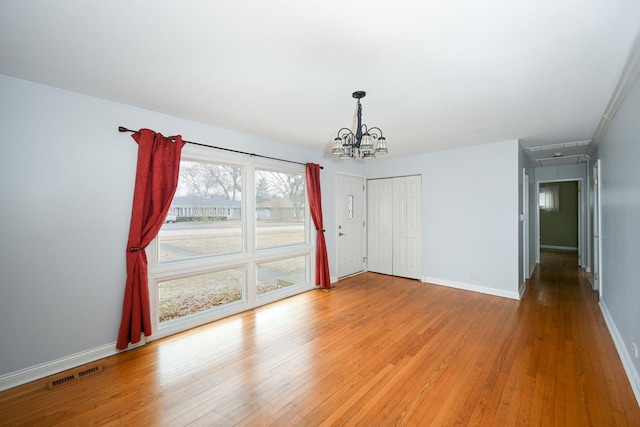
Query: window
{"points": [[275, 275], [237, 237], [550, 198], [208, 213], [280, 208], [350, 214], [194, 294]]}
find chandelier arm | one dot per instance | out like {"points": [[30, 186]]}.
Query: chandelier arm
{"points": [[347, 132], [379, 130]]}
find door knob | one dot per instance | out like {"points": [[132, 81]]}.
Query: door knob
{"points": [[340, 234]]}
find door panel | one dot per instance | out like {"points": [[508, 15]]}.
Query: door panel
{"points": [[414, 227], [399, 227], [379, 226], [407, 221]]}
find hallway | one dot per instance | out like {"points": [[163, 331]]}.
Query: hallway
{"points": [[576, 364]]}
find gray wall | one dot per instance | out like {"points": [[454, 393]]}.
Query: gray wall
{"points": [[619, 152]]}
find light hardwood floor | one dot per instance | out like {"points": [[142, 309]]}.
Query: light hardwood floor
{"points": [[376, 350]]}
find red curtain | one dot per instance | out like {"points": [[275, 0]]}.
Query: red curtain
{"points": [[156, 183], [315, 202]]}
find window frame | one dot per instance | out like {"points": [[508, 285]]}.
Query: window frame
{"points": [[247, 259]]}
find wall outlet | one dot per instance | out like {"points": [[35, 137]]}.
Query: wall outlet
{"points": [[472, 275], [634, 347]]}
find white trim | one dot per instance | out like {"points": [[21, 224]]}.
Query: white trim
{"points": [[42, 370], [597, 228], [625, 356], [533, 268], [470, 287], [522, 289]]}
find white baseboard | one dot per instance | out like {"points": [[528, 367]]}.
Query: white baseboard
{"points": [[37, 372], [523, 288], [532, 269], [471, 287], [625, 355]]}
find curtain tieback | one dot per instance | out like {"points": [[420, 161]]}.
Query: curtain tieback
{"points": [[135, 248]]}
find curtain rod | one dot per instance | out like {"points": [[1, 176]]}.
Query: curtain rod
{"points": [[124, 129]]}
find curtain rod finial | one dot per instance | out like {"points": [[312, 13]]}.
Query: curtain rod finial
{"points": [[123, 129]]}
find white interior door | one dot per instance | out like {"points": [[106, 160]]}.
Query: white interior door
{"points": [[379, 226], [351, 224], [414, 226], [399, 227], [407, 226]]}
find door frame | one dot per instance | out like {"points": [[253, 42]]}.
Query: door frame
{"points": [[526, 269], [597, 228]]}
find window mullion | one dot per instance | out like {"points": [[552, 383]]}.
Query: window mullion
{"points": [[248, 203]]}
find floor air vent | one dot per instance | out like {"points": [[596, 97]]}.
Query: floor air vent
{"points": [[90, 371], [74, 376]]}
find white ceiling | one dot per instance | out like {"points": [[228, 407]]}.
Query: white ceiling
{"points": [[438, 73]]}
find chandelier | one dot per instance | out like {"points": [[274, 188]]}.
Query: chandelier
{"points": [[364, 144]]}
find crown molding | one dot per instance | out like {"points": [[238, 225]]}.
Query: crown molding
{"points": [[629, 74]]}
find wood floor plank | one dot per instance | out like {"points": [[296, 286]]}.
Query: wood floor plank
{"points": [[377, 350]]}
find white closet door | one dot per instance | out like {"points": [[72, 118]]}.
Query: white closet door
{"points": [[380, 231], [413, 227], [395, 226], [400, 227]]}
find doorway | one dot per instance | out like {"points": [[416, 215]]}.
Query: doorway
{"points": [[351, 216], [560, 217]]}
